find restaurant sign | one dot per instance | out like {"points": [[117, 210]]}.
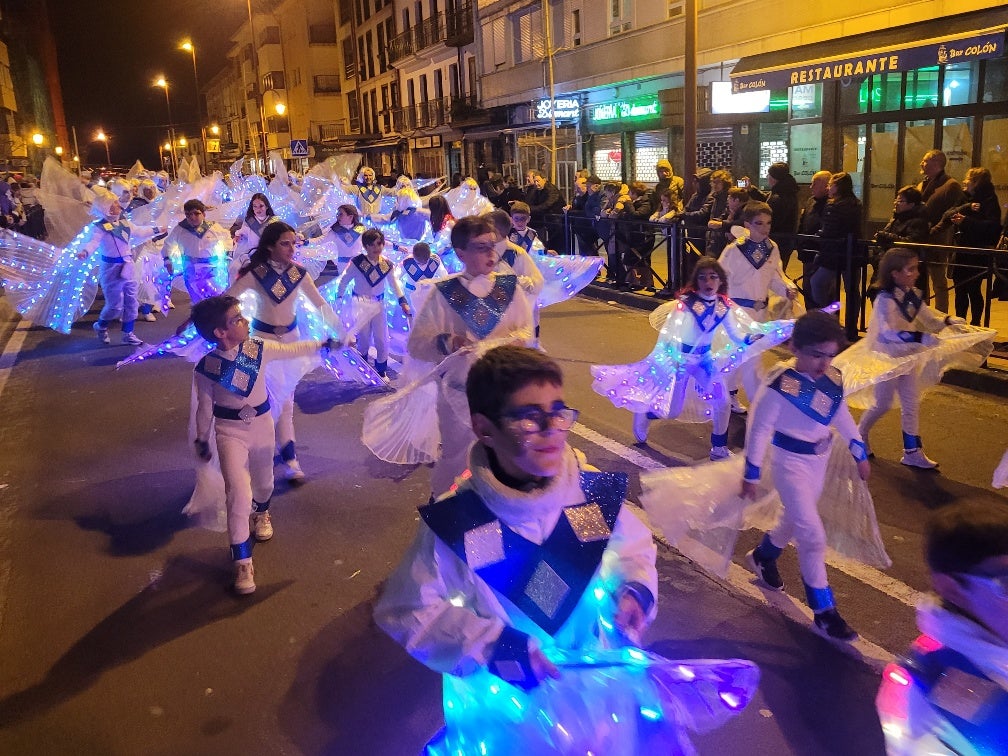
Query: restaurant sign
{"points": [[648, 107], [934, 52]]}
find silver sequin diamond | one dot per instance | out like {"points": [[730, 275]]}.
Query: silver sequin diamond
{"points": [[821, 403], [546, 589], [484, 545], [588, 523], [790, 385]]}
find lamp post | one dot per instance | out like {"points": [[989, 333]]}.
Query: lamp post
{"points": [[101, 136], [163, 83], [190, 48], [37, 139]]}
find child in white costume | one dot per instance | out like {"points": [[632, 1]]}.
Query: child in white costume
{"points": [[903, 326], [793, 412], [372, 274], [246, 238], [113, 238], [532, 563], [686, 357], [277, 283], [342, 242], [200, 249], [231, 397], [754, 269]]}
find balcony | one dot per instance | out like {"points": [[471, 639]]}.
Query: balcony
{"points": [[433, 113], [454, 29], [334, 131]]}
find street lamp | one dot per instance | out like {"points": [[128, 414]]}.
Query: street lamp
{"points": [[190, 48], [101, 137], [163, 83]]}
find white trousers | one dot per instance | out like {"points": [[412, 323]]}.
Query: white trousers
{"points": [[909, 396], [799, 481], [245, 452]]}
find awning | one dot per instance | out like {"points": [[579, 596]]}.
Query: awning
{"points": [[897, 49]]}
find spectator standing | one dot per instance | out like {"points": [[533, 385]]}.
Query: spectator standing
{"points": [[667, 180], [719, 233], [841, 219], [547, 205], [941, 193], [783, 200], [977, 224], [637, 258], [909, 223], [696, 228], [809, 224]]}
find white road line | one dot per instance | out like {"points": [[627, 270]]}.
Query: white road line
{"points": [[10, 353], [740, 578]]}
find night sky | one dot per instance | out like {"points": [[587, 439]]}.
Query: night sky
{"points": [[110, 53]]}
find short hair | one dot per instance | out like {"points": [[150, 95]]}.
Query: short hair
{"points": [[421, 247], [610, 186], [501, 221], [594, 180], [722, 174], [536, 173], [817, 327], [210, 314], [960, 536], [520, 207], [469, 227], [707, 263], [937, 155], [894, 259], [754, 208], [911, 194], [193, 204], [371, 235], [502, 371], [638, 187], [739, 193]]}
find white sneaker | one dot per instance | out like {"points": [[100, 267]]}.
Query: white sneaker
{"points": [[640, 426], [150, 317], [293, 472], [917, 458], [720, 452], [131, 338], [737, 407], [262, 526], [244, 583], [103, 336]]}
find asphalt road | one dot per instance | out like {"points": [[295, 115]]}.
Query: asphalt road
{"points": [[118, 634]]}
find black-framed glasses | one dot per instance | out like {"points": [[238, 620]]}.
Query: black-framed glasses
{"points": [[536, 420]]}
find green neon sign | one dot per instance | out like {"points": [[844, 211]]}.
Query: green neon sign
{"points": [[647, 107]]}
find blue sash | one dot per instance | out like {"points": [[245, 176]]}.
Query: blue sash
{"points": [[278, 286], [119, 229], [199, 231], [239, 375], [544, 581], [818, 400], [909, 302], [509, 256], [757, 253], [967, 699], [369, 194], [347, 235], [709, 315], [419, 272], [373, 274], [256, 227], [480, 314]]}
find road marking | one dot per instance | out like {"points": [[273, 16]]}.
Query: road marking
{"points": [[10, 353], [741, 579]]}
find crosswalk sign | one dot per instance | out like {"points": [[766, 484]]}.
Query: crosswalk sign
{"points": [[299, 148]]}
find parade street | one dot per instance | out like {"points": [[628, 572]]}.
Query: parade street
{"points": [[119, 634]]}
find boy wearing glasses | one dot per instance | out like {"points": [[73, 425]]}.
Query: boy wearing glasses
{"points": [[949, 693], [230, 389], [793, 413], [533, 551], [199, 248], [465, 309]]}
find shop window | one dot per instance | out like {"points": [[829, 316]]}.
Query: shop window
{"points": [[853, 155], [882, 178], [918, 138], [805, 151], [957, 144], [994, 152], [884, 92], [854, 96], [773, 145], [960, 84], [806, 101], [995, 80], [921, 88], [607, 157]]}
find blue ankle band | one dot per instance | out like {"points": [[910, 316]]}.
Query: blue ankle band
{"points": [[819, 599], [287, 452], [260, 507], [719, 439], [766, 551], [911, 442], [242, 550]]}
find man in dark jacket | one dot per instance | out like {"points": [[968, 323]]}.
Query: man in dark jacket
{"points": [[941, 193], [783, 200], [547, 203], [693, 215]]}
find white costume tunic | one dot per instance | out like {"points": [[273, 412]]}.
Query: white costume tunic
{"points": [[343, 243], [794, 414], [369, 199], [447, 603], [277, 291], [754, 270], [202, 255], [949, 695], [113, 240], [477, 309], [245, 241], [370, 281], [230, 391]]}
